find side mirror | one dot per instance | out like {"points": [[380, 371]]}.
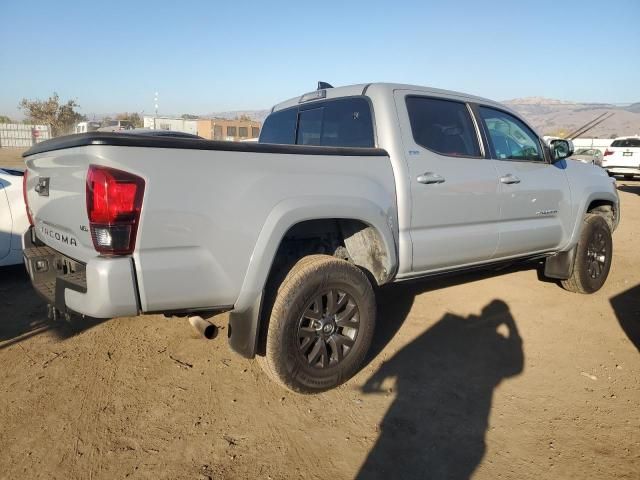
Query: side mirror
{"points": [[561, 149]]}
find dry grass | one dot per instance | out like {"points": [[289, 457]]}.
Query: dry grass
{"points": [[11, 157]]}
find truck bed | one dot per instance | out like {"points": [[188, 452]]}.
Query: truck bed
{"points": [[206, 204]]}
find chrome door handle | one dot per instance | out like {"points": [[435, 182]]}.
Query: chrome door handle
{"points": [[509, 179], [429, 177]]}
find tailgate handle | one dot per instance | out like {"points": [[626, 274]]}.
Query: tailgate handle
{"points": [[42, 188], [429, 178]]}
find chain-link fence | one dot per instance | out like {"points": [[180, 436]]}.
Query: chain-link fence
{"points": [[20, 135]]}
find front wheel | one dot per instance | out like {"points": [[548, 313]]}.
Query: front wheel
{"points": [[593, 256], [321, 325]]}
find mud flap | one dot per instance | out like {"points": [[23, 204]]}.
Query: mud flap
{"points": [[560, 266], [244, 328]]}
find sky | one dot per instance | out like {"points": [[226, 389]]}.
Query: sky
{"points": [[212, 56]]}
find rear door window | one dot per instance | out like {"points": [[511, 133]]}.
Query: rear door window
{"points": [[443, 126]]}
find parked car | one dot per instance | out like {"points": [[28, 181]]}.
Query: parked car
{"points": [[623, 157], [13, 216], [588, 155], [292, 234]]}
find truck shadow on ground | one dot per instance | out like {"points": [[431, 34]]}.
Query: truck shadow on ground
{"points": [[444, 382], [396, 300], [23, 314], [626, 305]]}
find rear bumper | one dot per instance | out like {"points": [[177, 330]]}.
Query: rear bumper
{"points": [[103, 288]]}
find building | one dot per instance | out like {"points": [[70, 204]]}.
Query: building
{"points": [[223, 129], [171, 123], [209, 128]]}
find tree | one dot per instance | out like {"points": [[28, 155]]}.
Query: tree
{"points": [[5, 119], [188, 116], [133, 118], [59, 117], [245, 118]]}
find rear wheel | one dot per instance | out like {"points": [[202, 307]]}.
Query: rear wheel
{"points": [[321, 325], [628, 177], [593, 256]]}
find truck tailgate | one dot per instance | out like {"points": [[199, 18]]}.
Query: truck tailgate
{"points": [[56, 196]]}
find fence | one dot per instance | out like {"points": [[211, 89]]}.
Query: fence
{"points": [[19, 135]]}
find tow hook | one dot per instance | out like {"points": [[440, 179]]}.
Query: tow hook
{"points": [[205, 328]]}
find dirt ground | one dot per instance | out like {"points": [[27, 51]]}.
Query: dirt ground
{"points": [[490, 376], [11, 157]]}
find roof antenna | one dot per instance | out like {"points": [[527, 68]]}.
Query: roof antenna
{"points": [[323, 85]]}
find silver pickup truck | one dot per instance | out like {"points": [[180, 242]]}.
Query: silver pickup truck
{"points": [[348, 188]]}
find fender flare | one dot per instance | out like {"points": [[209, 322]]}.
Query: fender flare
{"points": [[245, 318], [582, 211]]}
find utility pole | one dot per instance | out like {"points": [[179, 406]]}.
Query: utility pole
{"points": [[155, 101]]}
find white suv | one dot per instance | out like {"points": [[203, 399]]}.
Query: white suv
{"points": [[622, 157]]}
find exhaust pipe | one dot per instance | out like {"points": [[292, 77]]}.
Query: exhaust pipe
{"points": [[205, 328]]}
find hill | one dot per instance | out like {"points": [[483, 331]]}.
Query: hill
{"points": [[547, 115], [556, 117]]}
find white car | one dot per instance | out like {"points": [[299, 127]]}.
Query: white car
{"points": [[622, 157], [13, 216]]}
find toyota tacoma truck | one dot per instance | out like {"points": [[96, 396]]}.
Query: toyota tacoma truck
{"points": [[347, 189]]}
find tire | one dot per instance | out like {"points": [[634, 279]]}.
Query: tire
{"points": [[628, 177], [320, 326], [593, 256]]}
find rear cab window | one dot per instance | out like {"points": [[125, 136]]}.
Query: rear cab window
{"points": [[280, 127], [343, 122], [443, 126]]}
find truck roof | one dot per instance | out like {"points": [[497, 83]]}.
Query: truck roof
{"points": [[384, 88]]}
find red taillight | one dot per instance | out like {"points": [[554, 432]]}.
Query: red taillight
{"points": [[114, 201], [24, 195], [608, 152]]}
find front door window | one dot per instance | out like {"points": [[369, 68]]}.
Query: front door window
{"points": [[510, 138]]}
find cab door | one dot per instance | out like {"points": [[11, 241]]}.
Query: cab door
{"points": [[534, 193], [454, 185]]}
